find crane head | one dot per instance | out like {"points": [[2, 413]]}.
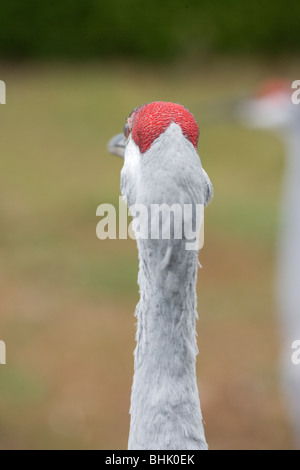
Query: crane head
{"points": [[159, 146], [270, 107]]}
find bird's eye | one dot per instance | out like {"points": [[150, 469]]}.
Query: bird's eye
{"points": [[126, 130]]}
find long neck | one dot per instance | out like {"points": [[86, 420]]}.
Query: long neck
{"points": [[291, 181], [288, 275], [165, 408]]}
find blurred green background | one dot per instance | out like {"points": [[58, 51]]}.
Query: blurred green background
{"points": [[156, 30], [73, 72]]}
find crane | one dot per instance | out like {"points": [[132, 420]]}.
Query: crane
{"points": [[161, 166]]}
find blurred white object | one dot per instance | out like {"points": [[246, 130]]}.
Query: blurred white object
{"points": [[273, 109]]}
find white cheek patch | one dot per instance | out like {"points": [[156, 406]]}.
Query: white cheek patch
{"points": [[132, 157], [130, 173]]}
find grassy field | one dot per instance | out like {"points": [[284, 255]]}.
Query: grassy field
{"points": [[67, 299]]}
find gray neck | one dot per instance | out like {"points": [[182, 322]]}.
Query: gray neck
{"points": [[165, 408], [291, 186], [288, 272], [292, 140]]}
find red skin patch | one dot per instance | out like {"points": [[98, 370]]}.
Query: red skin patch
{"points": [[150, 120], [272, 87]]}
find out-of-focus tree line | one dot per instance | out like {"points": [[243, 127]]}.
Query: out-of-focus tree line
{"points": [[153, 29]]}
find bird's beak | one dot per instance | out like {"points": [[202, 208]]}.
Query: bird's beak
{"points": [[116, 145]]}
